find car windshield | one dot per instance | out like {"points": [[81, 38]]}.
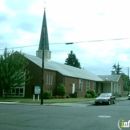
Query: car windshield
{"points": [[105, 95]]}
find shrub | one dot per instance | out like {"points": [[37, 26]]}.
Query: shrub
{"points": [[47, 94], [60, 90], [67, 96], [63, 96], [56, 96], [92, 92], [88, 95], [71, 95], [53, 97], [98, 94]]}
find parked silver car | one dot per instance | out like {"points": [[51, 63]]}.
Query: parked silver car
{"points": [[129, 97], [105, 98]]}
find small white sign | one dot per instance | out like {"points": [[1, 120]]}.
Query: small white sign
{"points": [[37, 90]]}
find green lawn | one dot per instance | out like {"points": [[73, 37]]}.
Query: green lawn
{"points": [[27, 100]]}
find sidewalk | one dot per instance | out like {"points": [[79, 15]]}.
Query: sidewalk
{"points": [[77, 104], [81, 104]]}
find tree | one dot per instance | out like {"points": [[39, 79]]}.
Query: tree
{"points": [[72, 60], [125, 78], [116, 69], [13, 72]]}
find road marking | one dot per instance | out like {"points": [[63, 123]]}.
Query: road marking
{"points": [[104, 116]]}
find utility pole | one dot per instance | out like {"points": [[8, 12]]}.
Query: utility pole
{"points": [[128, 81], [42, 66]]}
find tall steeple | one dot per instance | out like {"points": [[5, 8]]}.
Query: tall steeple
{"points": [[44, 34]]}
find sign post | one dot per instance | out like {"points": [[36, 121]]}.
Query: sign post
{"points": [[37, 91]]}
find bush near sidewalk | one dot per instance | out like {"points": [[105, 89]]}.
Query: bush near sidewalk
{"points": [[47, 94]]}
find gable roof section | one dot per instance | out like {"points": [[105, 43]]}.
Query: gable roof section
{"points": [[114, 78], [63, 69]]}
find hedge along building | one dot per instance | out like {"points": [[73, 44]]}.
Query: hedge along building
{"points": [[75, 80]]}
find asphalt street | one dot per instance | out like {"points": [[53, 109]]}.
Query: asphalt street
{"points": [[55, 117]]}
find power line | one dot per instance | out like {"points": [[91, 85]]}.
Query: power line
{"points": [[67, 43], [20, 47]]}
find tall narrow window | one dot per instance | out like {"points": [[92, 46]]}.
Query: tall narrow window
{"points": [[47, 79], [51, 79], [16, 92], [94, 85], [80, 84], [87, 85]]}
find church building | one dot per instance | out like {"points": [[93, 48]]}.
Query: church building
{"points": [[76, 81]]}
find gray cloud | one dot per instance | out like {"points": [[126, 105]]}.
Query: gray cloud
{"points": [[18, 5], [57, 32], [1, 37], [26, 26], [26, 22], [3, 17]]}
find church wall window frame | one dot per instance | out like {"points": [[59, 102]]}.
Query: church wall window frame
{"points": [[49, 79]]}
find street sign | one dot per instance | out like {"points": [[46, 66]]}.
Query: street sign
{"points": [[37, 90]]}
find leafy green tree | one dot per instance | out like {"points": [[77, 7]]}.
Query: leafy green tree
{"points": [[13, 72], [116, 69], [72, 60], [125, 78], [60, 90]]}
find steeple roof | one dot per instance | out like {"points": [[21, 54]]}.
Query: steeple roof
{"points": [[44, 27]]}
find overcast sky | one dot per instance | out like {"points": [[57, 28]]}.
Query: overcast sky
{"points": [[83, 22]]}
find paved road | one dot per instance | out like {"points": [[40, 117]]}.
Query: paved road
{"points": [[37, 117]]}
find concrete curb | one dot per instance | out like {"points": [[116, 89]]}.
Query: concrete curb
{"points": [[9, 102]]}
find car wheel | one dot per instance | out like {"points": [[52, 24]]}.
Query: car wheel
{"points": [[109, 102], [114, 101], [96, 103]]}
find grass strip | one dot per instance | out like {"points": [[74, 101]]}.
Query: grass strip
{"points": [[28, 100]]}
